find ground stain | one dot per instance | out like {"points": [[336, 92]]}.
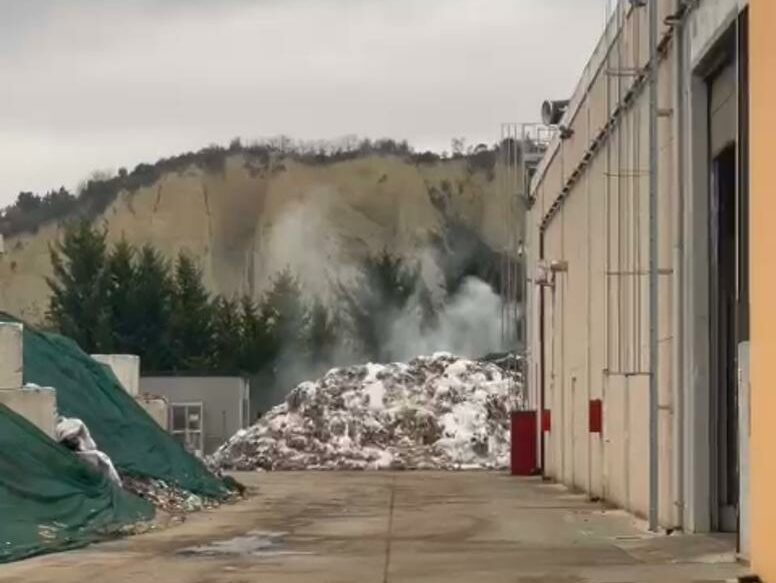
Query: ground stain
{"points": [[255, 543]]}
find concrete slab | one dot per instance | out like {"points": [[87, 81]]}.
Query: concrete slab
{"points": [[11, 334], [38, 406], [126, 368], [157, 407], [397, 527]]}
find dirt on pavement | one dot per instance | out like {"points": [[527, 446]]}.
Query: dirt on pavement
{"points": [[394, 527]]}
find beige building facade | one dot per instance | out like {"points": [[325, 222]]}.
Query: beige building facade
{"points": [[591, 332]]}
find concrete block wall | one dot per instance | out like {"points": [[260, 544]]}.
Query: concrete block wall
{"points": [[39, 404], [36, 405], [126, 367], [11, 355], [158, 408]]}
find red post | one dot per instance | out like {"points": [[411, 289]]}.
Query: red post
{"points": [[595, 417], [546, 420], [523, 443]]}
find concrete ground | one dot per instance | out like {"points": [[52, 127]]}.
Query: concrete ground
{"points": [[395, 527]]}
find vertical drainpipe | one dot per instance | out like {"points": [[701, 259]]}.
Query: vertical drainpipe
{"points": [[542, 394], [653, 259], [678, 325]]}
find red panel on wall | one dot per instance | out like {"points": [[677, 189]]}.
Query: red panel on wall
{"points": [[523, 443], [596, 416], [546, 420]]}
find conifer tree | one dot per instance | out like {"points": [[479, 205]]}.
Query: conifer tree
{"points": [[258, 349], [321, 337], [79, 287], [122, 306], [192, 316], [152, 306], [382, 293], [285, 312], [227, 338]]}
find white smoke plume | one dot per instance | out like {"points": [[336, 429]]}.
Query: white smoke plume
{"points": [[469, 324], [306, 240]]}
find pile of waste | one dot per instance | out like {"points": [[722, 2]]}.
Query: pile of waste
{"points": [[167, 497], [73, 434], [438, 412]]}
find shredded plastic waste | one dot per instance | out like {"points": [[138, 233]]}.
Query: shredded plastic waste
{"points": [[168, 497], [438, 412]]}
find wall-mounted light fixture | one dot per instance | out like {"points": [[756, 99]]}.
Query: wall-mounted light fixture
{"points": [[559, 266]]}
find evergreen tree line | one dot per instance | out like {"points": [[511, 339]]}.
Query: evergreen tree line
{"points": [[125, 299]]}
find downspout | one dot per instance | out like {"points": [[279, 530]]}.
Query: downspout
{"points": [[653, 270], [542, 397], [678, 323]]}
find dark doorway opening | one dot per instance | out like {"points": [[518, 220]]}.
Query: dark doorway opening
{"points": [[724, 342]]}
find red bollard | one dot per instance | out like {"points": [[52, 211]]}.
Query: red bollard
{"points": [[523, 443], [596, 416]]}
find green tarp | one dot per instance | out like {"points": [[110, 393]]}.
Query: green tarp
{"points": [[121, 428], [52, 501]]}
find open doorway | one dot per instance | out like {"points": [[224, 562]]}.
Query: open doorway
{"points": [[720, 170], [724, 403]]}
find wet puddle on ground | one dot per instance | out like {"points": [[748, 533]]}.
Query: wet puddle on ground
{"points": [[251, 544]]}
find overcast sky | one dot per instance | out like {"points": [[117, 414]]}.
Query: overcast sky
{"points": [[97, 84]]}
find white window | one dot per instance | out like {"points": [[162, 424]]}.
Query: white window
{"points": [[186, 423]]}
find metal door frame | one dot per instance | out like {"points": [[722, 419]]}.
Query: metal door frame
{"points": [[186, 432]]}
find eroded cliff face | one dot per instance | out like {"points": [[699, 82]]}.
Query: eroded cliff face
{"points": [[250, 220]]}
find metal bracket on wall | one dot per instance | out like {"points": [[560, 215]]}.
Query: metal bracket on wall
{"points": [[630, 72]]}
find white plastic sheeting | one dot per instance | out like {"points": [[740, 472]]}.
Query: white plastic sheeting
{"points": [[74, 434]]}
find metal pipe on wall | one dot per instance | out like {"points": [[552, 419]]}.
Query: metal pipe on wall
{"points": [[589, 323], [607, 208], [504, 180], [607, 256], [542, 390], [626, 283], [560, 285], [637, 174], [677, 323], [620, 267], [653, 269]]}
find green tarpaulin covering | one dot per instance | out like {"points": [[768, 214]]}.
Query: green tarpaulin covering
{"points": [[120, 427], [49, 499]]}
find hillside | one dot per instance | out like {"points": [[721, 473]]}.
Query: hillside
{"points": [[248, 217]]}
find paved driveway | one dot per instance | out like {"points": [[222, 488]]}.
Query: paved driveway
{"points": [[395, 527]]}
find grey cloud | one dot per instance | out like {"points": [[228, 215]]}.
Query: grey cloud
{"points": [[90, 84]]}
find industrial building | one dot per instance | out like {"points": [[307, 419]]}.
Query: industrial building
{"points": [[638, 280], [204, 411]]}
